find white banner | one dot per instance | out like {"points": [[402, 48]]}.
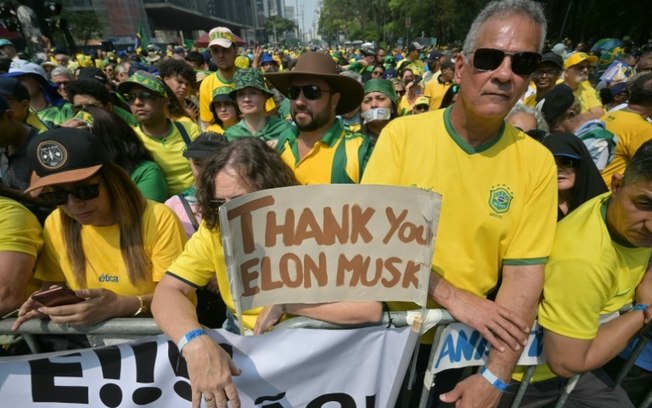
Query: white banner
{"points": [[325, 243], [283, 369], [462, 346]]}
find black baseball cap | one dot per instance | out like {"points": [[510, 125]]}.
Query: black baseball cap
{"points": [[557, 102], [434, 55], [205, 145], [12, 87], [553, 58], [64, 155]]}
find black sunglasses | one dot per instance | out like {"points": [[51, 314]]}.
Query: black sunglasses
{"points": [[60, 196], [143, 96], [489, 59], [311, 92], [566, 162]]}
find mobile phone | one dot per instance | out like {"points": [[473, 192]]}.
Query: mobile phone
{"points": [[56, 296]]}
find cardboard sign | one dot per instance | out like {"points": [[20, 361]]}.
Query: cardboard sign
{"points": [[325, 243]]}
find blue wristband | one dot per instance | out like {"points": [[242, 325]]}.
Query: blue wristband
{"points": [[190, 336], [495, 382], [639, 307]]}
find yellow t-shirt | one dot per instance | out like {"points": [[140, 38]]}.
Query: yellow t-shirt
{"points": [[435, 90], [206, 88], [404, 106], [21, 232], [632, 131], [215, 128], [499, 201], [589, 274], [588, 97], [163, 240], [202, 259], [340, 156], [417, 66], [168, 154]]}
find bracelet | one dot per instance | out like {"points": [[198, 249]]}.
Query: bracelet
{"points": [[143, 306], [495, 382], [639, 307], [190, 336]]}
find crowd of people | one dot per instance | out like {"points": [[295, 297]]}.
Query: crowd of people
{"points": [[114, 166]]}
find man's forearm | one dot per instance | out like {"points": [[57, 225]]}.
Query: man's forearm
{"points": [[519, 292], [440, 290]]}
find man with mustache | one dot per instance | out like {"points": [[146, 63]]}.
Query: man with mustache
{"points": [[576, 76], [318, 147]]}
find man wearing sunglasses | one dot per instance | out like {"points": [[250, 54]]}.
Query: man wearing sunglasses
{"points": [[499, 190], [545, 77], [319, 148], [577, 68], [165, 139]]}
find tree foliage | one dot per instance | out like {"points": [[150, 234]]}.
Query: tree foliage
{"points": [[449, 20], [282, 25], [83, 25]]}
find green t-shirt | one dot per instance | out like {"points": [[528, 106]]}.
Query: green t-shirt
{"points": [[150, 180], [126, 116], [274, 127], [55, 115]]}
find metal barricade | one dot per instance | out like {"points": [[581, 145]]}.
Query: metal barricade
{"points": [[101, 334], [125, 329]]}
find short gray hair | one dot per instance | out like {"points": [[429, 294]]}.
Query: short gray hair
{"points": [[503, 8], [538, 117], [61, 71]]}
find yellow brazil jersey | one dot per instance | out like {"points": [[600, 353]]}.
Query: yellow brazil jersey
{"points": [[163, 241], [436, 90], [340, 156], [20, 232], [168, 154], [589, 275], [632, 131], [499, 200], [588, 97], [202, 259], [404, 106], [206, 88]]}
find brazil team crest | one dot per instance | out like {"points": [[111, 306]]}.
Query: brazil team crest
{"points": [[500, 198]]}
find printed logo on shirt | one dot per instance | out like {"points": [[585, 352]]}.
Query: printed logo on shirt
{"points": [[500, 198], [108, 278]]}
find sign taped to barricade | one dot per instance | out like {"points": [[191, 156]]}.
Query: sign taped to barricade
{"points": [[278, 370], [461, 346], [325, 243]]}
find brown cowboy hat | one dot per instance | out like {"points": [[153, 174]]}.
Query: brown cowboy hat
{"points": [[321, 65]]}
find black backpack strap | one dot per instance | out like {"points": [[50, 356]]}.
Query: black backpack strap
{"points": [[184, 134], [191, 216]]}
